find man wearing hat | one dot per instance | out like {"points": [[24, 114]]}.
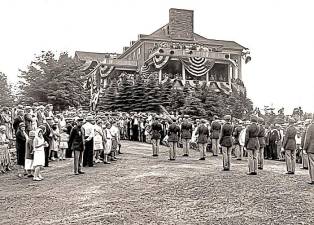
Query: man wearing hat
{"points": [[186, 134], [214, 135], [252, 145], [156, 135], [225, 141], [28, 119], [290, 146], [305, 159], [76, 143], [262, 143], [88, 128], [135, 128], [173, 138], [18, 119], [203, 134], [47, 133], [309, 148]]}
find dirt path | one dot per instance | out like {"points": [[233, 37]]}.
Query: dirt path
{"points": [[140, 189]]}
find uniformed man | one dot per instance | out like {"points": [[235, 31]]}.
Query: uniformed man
{"points": [[203, 134], [252, 145], [290, 146], [305, 159], [225, 141], [76, 143], [214, 135], [186, 134], [173, 138], [309, 148], [262, 143], [88, 128], [237, 146], [156, 129]]}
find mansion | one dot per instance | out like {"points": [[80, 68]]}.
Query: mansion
{"points": [[173, 53]]}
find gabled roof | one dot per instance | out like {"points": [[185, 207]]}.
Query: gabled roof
{"points": [[94, 56]]}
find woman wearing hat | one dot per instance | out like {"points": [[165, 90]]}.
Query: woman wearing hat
{"points": [[98, 141], [39, 154], [21, 138], [5, 159]]}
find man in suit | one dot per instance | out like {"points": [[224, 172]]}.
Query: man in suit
{"points": [[156, 135], [309, 148], [214, 135], [76, 143], [252, 145], [89, 134], [186, 134], [48, 138], [262, 143], [290, 146], [203, 134], [225, 141], [274, 138], [173, 138]]}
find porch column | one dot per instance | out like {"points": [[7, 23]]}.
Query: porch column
{"points": [[183, 74], [207, 77], [229, 75], [160, 75]]}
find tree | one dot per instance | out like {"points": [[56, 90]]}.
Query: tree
{"points": [[5, 91], [109, 98], [152, 96], [138, 96], [58, 81], [125, 96]]}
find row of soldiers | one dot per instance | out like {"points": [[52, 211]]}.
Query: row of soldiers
{"points": [[227, 137]]}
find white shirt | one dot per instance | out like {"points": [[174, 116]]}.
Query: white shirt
{"points": [[114, 131], [89, 130]]}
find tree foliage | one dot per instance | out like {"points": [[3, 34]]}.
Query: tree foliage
{"points": [[5, 91], [58, 81]]}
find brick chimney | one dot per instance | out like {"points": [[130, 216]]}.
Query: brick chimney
{"points": [[181, 24]]}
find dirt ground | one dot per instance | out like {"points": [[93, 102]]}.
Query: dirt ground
{"points": [[140, 189]]}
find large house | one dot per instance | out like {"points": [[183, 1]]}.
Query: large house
{"points": [[173, 53]]}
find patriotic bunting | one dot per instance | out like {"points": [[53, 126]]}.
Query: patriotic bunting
{"points": [[160, 61], [198, 66]]}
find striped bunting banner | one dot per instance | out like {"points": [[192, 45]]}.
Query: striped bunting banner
{"points": [[160, 61], [198, 66]]}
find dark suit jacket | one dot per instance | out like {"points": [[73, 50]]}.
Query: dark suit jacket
{"points": [[186, 130], [289, 142], [261, 136], [173, 133], [203, 134], [156, 130], [251, 137], [215, 130], [226, 135], [76, 139]]}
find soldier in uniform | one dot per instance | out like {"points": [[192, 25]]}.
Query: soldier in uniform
{"points": [[76, 143], [290, 146], [309, 148], [225, 141], [173, 138], [214, 135], [203, 135], [262, 143], [156, 135], [252, 145], [237, 146], [186, 134]]}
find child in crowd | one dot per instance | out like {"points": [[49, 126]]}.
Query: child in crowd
{"points": [[5, 159], [39, 154], [64, 139], [29, 154], [54, 147], [108, 142]]}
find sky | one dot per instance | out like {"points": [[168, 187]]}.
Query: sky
{"points": [[279, 34]]}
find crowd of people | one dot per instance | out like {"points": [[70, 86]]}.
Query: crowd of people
{"points": [[42, 136]]}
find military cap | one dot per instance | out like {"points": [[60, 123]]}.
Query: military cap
{"points": [[203, 121], [186, 116], [49, 118], [291, 120], [4, 109], [80, 120], [89, 118], [261, 120], [254, 119]]}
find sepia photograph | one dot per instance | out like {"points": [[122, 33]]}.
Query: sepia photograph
{"points": [[152, 112]]}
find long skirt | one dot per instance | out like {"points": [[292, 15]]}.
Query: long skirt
{"points": [[88, 156], [5, 158], [108, 146]]}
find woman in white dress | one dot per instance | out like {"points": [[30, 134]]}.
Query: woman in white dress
{"points": [[98, 141], [39, 154]]}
